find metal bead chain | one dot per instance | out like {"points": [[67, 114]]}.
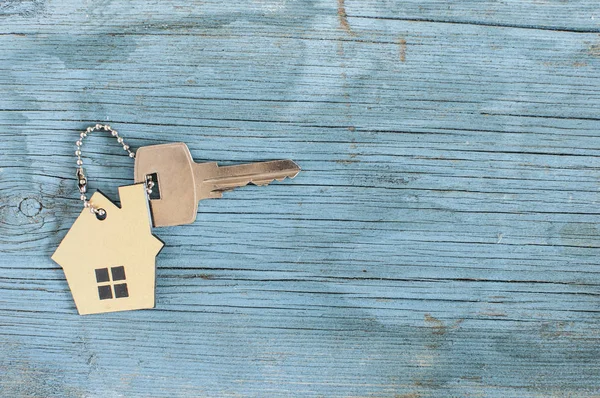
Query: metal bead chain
{"points": [[81, 179]]}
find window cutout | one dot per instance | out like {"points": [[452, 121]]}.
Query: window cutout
{"points": [[118, 273], [102, 275], [104, 292], [121, 290]]}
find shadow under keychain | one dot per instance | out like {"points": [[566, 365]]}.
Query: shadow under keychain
{"points": [[109, 253]]}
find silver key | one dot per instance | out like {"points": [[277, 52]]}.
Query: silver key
{"points": [[180, 183]]}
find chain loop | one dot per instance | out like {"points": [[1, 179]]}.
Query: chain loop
{"points": [[81, 178]]}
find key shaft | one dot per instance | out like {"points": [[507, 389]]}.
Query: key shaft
{"points": [[212, 180]]}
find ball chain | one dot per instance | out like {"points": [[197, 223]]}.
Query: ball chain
{"points": [[81, 178]]}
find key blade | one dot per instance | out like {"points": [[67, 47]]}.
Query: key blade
{"points": [[214, 179], [262, 173]]}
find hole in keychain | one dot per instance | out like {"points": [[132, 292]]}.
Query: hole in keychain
{"points": [[101, 214], [154, 193]]}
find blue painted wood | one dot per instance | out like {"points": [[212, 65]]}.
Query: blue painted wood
{"points": [[442, 239]]}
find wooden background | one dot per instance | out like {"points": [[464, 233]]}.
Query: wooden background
{"points": [[442, 239]]}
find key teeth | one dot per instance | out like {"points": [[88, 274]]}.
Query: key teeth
{"points": [[267, 182], [218, 193]]}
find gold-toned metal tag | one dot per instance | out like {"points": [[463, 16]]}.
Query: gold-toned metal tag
{"points": [[110, 263]]}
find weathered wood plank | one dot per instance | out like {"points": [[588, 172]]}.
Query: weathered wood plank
{"points": [[442, 239]]}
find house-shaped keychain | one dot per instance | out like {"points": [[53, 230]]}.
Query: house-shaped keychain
{"points": [[110, 263]]}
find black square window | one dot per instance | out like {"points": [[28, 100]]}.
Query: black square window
{"points": [[121, 290], [104, 292], [118, 273], [102, 275]]}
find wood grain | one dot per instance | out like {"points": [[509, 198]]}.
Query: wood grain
{"points": [[442, 239]]}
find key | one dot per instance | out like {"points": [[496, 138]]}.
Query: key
{"points": [[180, 183]]}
